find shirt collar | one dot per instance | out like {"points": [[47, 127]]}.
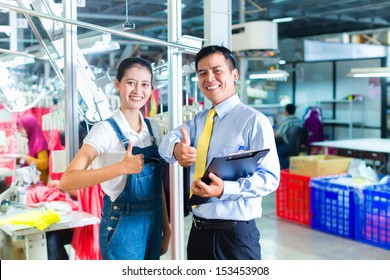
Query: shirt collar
{"points": [[227, 105], [124, 125]]}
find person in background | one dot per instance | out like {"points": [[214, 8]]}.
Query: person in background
{"points": [[283, 146], [134, 222], [224, 227], [38, 152]]}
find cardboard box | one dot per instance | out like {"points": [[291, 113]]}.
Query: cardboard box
{"points": [[319, 165]]}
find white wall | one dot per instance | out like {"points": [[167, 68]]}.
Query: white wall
{"points": [[313, 83]]}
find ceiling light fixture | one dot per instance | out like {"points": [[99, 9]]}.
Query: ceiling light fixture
{"points": [[99, 47], [369, 72], [280, 20], [276, 75], [15, 60], [88, 45], [5, 29]]}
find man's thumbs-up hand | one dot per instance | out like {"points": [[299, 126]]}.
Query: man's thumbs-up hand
{"points": [[183, 152]]}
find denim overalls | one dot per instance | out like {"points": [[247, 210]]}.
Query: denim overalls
{"points": [[131, 226]]}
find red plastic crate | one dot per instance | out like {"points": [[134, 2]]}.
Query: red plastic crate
{"points": [[293, 198]]}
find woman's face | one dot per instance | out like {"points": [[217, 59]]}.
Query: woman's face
{"points": [[21, 130], [135, 87]]}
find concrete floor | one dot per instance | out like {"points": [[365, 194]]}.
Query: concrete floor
{"points": [[286, 240]]}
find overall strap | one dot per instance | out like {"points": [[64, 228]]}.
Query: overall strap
{"points": [[147, 121], [122, 136], [118, 132]]}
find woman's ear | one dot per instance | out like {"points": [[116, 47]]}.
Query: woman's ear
{"points": [[116, 83]]}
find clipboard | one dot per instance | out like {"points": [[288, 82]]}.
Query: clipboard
{"points": [[231, 168]]}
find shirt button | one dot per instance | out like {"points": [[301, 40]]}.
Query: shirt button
{"points": [[116, 208], [109, 228], [113, 218]]}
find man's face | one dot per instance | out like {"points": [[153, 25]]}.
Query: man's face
{"points": [[215, 78]]}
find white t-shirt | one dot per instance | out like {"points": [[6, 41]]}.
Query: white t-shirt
{"points": [[103, 138]]}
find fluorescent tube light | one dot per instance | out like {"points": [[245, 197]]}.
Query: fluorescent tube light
{"points": [[277, 75], [97, 44], [16, 53], [369, 72], [100, 46], [14, 60], [286, 19]]}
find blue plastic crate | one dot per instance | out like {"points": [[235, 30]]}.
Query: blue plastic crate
{"points": [[373, 217], [332, 207]]}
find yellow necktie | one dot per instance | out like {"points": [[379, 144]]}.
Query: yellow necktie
{"points": [[203, 146]]}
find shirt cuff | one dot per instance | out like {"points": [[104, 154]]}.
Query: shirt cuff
{"points": [[229, 188], [168, 152]]}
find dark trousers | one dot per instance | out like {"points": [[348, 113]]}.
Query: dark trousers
{"points": [[242, 242], [56, 240], [284, 151]]}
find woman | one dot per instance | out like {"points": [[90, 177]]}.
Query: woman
{"points": [[38, 152], [124, 150]]}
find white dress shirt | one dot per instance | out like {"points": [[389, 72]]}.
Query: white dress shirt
{"points": [[236, 126]]}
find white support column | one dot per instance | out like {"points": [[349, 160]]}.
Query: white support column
{"points": [[70, 74], [13, 34], [243, 61], [175, 101], [217, 25], [243, 70], [218, 22]]}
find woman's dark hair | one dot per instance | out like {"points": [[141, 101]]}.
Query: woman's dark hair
{"points": [[206, 51], [130, 62]]}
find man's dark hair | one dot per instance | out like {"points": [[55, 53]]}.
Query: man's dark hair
{"points": [[206, 51], [290, 108]]}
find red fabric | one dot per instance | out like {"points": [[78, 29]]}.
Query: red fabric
{"points": [[10, 129], [54, 145], [86, 239], [38, 194]]}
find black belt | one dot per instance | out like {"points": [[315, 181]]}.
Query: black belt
{"points": [[214, 225]]}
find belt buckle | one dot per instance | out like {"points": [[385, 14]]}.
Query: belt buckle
{"points": [[197, 224]]}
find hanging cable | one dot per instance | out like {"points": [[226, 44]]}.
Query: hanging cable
{"points": [[127, 25]]}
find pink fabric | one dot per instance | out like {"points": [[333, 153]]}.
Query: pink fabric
{"points": [[86, 239], [36, 140], [38, 194]]}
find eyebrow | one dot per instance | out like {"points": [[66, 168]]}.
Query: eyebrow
{"points": [[134, 80], [213, 68]]}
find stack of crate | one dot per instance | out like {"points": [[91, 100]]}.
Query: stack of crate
{"points": [[311, 193], [293, 194], [357, 213]]}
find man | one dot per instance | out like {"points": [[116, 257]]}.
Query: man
{"points": [[284, 146], [224, 227]]}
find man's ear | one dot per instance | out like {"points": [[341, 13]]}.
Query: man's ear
{"points": [[235, 75]]}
